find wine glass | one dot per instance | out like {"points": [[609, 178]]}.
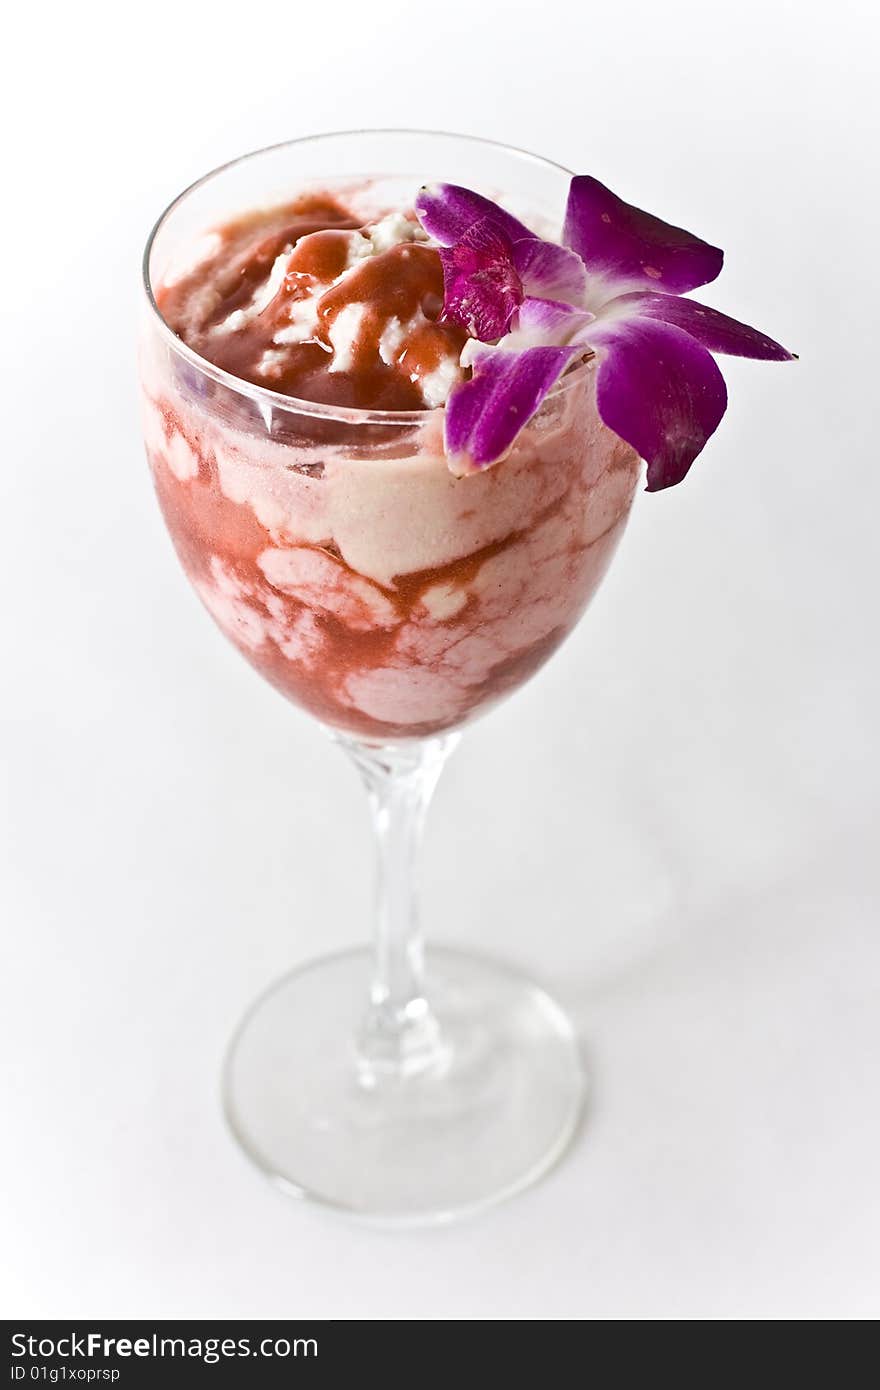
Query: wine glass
{"points": [[395, 603]]}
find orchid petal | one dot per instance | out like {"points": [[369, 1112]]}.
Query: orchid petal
{"points": [[447, 212], [714, 330], [659, 390], [485, 414], [550, 270], [481, 289], [630, 249], [547, 321]]}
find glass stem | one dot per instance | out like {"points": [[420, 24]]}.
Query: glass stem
{"points": [[399, 1034]]}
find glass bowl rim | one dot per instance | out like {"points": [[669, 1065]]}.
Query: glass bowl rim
{"points": [[276, 400]]}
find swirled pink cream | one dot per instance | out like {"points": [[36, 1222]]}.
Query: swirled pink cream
{"points": [[344, 560]]}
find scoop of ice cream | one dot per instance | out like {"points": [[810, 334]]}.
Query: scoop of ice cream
{"points": [[340, 314]]}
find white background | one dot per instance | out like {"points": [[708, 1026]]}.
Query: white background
{"points": [[673, 825]]}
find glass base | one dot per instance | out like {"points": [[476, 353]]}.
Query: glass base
{"points": [[488, 1113]]}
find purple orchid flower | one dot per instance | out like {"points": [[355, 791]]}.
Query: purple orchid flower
{"points": [[612, 290]]}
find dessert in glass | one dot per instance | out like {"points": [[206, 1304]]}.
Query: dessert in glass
{"points": [[395, 428]]}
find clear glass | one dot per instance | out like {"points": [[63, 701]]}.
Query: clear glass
{"points": [[395, 603]]}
